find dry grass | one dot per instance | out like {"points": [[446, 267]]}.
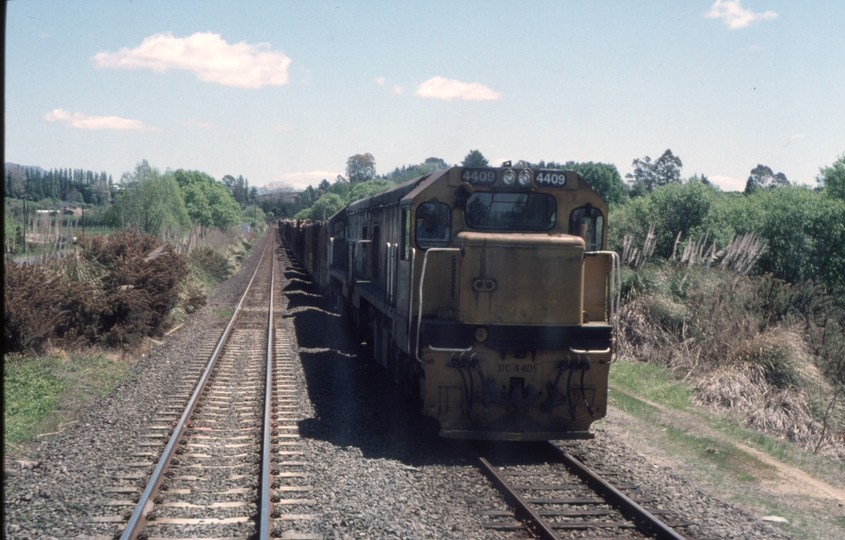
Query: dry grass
{"points": [[770, 351], [745, 389]]}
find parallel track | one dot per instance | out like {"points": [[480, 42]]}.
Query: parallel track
{"points": [[230, 392], [229, 460]]}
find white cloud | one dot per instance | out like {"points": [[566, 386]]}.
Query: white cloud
{"points": [[284, 127], [443, 88], [301, 180], [208, 56], [83, 121], [736, 16], [398, 89], [726, 183], [380, 81]]}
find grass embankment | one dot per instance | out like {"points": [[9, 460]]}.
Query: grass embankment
{"points": [[40, 393], [761, 473]]}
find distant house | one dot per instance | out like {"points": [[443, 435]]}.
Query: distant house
{"points": [[245, 226]]}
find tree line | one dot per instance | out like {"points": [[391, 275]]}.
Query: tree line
{"points": [[145, 200], [802, 228], [57, 185]]}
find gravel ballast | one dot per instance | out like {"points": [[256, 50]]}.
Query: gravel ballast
{"points": [[377, 467]]}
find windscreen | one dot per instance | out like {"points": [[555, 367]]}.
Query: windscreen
{"points": [[511, 211]]}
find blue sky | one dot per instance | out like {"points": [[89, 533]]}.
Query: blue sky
{"points": [[284, 92]]}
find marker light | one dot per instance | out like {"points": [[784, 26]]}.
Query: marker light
{"points": [[508, 178], [524, 178]]}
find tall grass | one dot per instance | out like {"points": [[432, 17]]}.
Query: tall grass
{"points": [[772, 351]]}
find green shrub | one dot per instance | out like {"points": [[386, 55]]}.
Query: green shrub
{"points": [[210, 262]]}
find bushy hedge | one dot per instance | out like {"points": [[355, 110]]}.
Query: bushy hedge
{"points": [[803, 229]]}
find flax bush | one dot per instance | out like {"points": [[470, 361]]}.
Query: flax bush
{"points": [[770, 351]]}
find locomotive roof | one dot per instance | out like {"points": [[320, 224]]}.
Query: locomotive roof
{"points": [[396, 193], [410, 189]]}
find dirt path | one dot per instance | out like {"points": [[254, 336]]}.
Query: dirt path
{"points": [[812, 500]]}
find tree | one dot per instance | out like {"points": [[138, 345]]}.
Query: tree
{"points": [[326, 207], [805, 234], [308, 196], [408, 172], [678, 208], [665, 170], [360, 168], [339, 188], [763, 177], [365, 189], [208, 202], [239, 187], [149, 202], [832, 178], [603, 177], [253, 214], [475, 159]]}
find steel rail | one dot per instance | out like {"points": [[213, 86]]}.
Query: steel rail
{"points": [[540, 525], [138, 519], [265, 521], [646, 522]]}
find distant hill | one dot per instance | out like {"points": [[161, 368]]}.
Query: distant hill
{"points": [[14, 167]]}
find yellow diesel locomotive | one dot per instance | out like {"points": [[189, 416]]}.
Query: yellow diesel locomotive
{"points": [[487, 290]]}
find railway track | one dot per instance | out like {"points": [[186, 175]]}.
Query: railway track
{"points": [[560, 497], [222, 458]]}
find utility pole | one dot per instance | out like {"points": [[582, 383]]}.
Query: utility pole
{"points": [[24, 224]]}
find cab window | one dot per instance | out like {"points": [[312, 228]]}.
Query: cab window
{"points": [[588, 223], [433, 223], [511, 211]]}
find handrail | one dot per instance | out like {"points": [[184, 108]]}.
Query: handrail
{"points": [[389, 284], [422, 281], [614, 309], [411, 297]]}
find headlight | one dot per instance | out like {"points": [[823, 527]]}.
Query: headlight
{"points": [[508, 178], [524, 178]]}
